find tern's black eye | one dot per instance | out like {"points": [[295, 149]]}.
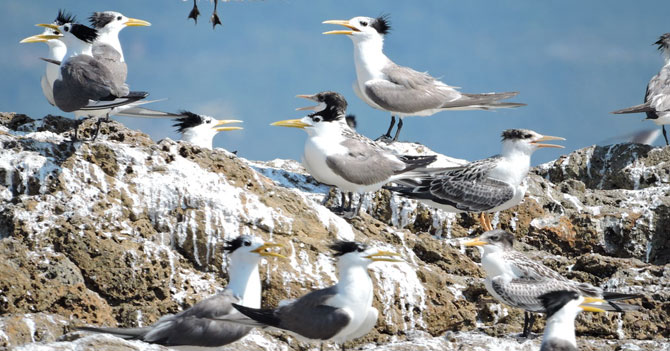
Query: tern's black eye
{"points": [[66, 28], [317, 118], [495, 238], [208, 121], [246, 243], [363, 23], [118, 18], [360, 249]]}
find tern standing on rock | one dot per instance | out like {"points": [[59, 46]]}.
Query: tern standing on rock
{"points": [[201, 325], [400, 90], [338, 313], [489, 185], [518, 281], [336, 155]]}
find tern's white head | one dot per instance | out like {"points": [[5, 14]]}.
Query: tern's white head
{"points": [[329, 115], [525, 141], [54, 44], [112, 22], [354, 254], [77, 37], [493, 241], [200, 129], [248, 250], [362, 29]]}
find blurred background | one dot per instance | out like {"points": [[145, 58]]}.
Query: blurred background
{"points": [[572, 61]]}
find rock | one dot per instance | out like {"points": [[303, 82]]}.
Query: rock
{"points": [[122, 230]]}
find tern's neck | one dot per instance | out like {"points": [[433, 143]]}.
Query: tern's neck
{"points": [[57, 51], [369, 57], [245, 282], [517, 162], [494, 263], [111, 38], [561, 326], [354, 282], [193, 137], [78, 47]]}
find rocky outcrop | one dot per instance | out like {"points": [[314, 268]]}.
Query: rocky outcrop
{"points": [[122, 230]]}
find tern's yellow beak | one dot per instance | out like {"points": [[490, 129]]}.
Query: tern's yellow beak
{"points": [[292, 123], [590, 308], [546, 138], [224, 122], [475, 242], [34, 39], [134, 22], [383, 256], [48, 25], [343, 23], [261, 250]]}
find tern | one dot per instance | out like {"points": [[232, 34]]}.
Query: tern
{"points": [[201, 325], [562, 307], [339, 313], [200, 129], [336, 155], [657, 97], [518, 281], [488, 185], [404, 92]]}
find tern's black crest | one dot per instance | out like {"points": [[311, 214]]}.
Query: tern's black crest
{"points": [[84, 33], [555, 300], [382, 24], [512, 134], [345, 247], [101, 19], [65, 17], [336, 106], [191, 120], [663, 42], [351, 121], [232, 245]]}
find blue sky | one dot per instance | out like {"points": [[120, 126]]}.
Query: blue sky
{"points": [[572, 61]]}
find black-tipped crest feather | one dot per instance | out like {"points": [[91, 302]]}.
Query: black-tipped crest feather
{"points": [[382, 24], [189, 121], [232, 245], [553, 301], [65, 17], [511, 134], [344, 247], [101, 19], [84, 33]]}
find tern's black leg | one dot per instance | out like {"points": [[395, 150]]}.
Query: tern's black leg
{"points": [[97, 129], [397, 131], [194, 12], [215, 18], [350, 195], [528, 321], [665, 136]]}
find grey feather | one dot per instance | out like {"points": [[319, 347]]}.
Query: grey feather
{"points": [[466, 188], [111, 58], [299, 316], [363, 164], [408, 91], [557, 345], [199, 325]]}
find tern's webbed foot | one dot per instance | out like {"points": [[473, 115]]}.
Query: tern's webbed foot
{"points": [[215, 20], [194, 12]]}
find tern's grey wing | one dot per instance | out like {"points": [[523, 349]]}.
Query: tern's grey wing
{"points": [[200, 324], [466, 188], [310, 317], [407, 91], [524, 293], [112, 59], [84, 77], [363, 163], [557, 345], [658, 93]]}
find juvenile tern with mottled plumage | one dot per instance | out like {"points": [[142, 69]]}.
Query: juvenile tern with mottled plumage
{"points": [[336, 155], [489, 185], [200, 129], [339, 313], [657, 97], [201, 325], [404, 92], [518, 281]]}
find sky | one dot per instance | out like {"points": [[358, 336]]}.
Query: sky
{"points": [[572, 61]]}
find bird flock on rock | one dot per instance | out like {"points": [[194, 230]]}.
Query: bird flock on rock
{"points": [[86, 74]]}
